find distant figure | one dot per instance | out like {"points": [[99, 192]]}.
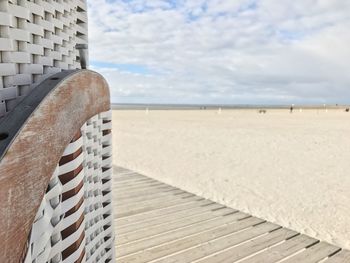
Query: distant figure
{"points": [[347, 110], [291, 109], [261, 111]]}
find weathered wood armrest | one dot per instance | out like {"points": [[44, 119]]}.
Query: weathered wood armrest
{"points": [[55, 156]]}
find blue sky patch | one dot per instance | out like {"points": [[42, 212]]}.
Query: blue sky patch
{"points": [[290, 35], [131, 68]]}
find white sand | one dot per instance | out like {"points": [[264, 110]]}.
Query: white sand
{"points": [[292, 169]]}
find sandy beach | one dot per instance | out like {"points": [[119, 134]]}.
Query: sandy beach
{"points": [[291, 169]]}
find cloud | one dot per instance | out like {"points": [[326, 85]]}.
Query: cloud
{"points": [[219, 51]]}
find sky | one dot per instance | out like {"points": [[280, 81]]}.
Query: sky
{"points": [[222, 51]]}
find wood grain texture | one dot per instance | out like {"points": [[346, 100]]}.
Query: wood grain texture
{"points": [[30, 160], [154, 224]]}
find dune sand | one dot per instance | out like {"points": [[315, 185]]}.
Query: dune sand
{"points": [[291, 169]]}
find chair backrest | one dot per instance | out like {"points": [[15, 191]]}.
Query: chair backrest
{"points": [[37, 39], [55, 173]]}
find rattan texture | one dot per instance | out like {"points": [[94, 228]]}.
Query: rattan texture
{"points": [[74, 222], [37, 39]]}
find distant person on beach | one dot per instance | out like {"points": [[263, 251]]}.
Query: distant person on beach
{"points": [[291, 109]]}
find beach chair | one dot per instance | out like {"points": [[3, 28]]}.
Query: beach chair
{"points": [[55, 138]]}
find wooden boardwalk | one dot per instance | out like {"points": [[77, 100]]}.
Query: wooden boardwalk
{"points": [[158, 223]]}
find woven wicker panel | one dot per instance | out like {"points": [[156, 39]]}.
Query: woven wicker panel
{"points": [[74, 222], [37, 39]]}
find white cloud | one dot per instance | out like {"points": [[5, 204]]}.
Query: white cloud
{"points": [[219, 51]]}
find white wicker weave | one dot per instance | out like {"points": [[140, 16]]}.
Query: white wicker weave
{"points": [[37, 39], [74, 222]]}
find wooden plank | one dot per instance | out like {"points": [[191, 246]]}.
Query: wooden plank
{"points": [[143, 192], [125, 196], [129, 174], [249, 248], [132, 181], [155, 230], [126, 174], [129, 177], [165, 219], [127, 180], [146, 189], [124, 185], [183, 232], [172, 192], [290, 247], [129, 191], [142, 187], [150, 207], [313, 254], [156, 226], [119, 169], [193, 241], [153, 203], [208, 248], [164, 211], [138, 187], [152, 196], [342, 256]]}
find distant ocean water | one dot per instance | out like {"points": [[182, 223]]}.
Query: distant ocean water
{"points": [[125, 106]]}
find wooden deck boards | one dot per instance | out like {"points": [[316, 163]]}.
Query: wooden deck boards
{"points": [[158, 223]]}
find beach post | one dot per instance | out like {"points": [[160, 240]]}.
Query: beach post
{"points": [[55, 138]]}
